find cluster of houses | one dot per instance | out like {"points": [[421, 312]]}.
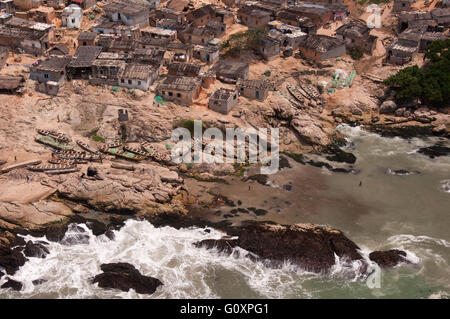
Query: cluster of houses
{"points": [[133, 41], [419, 29]]}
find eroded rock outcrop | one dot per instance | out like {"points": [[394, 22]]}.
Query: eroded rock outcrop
{"points": [[35, 250], [388, 258], [13, 284], [124, 276], [309, 246], [141, 191]]}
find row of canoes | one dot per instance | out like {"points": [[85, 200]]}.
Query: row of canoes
{"points": [[56, 135], [305, 94], [65, 152]]}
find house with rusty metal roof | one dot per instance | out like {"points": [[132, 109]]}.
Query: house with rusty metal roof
{"points": [[179, 89], [138, 76], [321, 47]]}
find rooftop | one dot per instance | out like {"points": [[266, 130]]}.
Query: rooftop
{"points": [[87, 36], [229, 67], [179, 83], [126, 7], [223, 94], [137, 71], [185, 68], [253, 11], [353, 29], [256, 84], [320, 43], [201, 12], [85, 56], [53, 64]]}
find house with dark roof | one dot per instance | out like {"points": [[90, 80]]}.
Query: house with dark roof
{"points": [[230, 72], [110, 43], [150, 56], [253, 89], [321, 47], [80, 67], [296, 20], [201, 16], [223, 100], [138, 76], [184, 69], [254, 17], [357, 34], [179, 89], [403, 49], [59, 50]]}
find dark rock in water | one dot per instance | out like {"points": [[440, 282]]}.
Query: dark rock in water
{"points": [[260, 178], [13, 284], [338, 155], [299, 158], [287, 187], [344, 170], [55, 233], [38, 282], [124, 276], [311, 247], [11, 259], [388, 258], [401, 172], [243, 211], [227, 215], [75, 235], [260, 212], [319, 164], [96, 227], [435, 151], [222, 245], [1, 275], [35, 250], [110, 234], [284, 163], [239, 202]]}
